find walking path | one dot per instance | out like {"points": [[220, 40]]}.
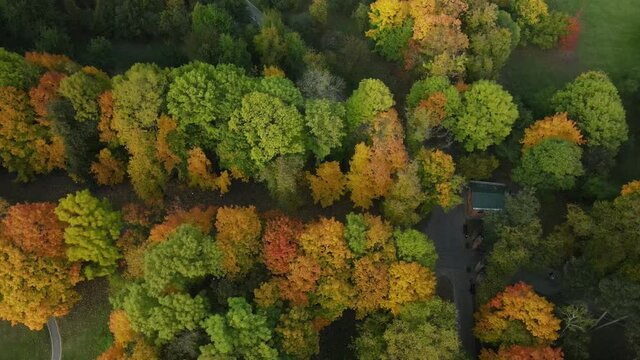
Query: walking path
{"points": [[446, 231], [254, 12], [56, 340]]}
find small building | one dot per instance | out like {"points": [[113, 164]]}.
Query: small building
{"points": [[484, 196]]}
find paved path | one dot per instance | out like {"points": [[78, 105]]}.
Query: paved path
{"points": [[254, 12], [56, 341], [445, 229]]}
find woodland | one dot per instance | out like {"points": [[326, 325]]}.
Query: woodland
{"points": [[228, 179]]}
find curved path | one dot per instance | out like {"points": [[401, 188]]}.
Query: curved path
{"points": [[56, 340], [445, 229]]}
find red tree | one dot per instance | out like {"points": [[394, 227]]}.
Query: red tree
{"points": [[280, 243]]}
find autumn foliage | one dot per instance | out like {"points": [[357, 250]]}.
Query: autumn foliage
{"points": [[108, 170], [45, 92], [51, 62], [557, 127], [238, 236], [408, 282], [517, 352], [280, 243], [631, 188], [197, 216], [35, 229], [201, 173], [328, 185], [517, 303]]}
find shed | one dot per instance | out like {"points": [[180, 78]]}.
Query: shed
{"points": [[485, 196]]}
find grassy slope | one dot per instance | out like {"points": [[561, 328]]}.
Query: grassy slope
{"points": [[19, 343]]}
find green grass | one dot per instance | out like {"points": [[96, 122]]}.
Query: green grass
{"points": [[20, 343], [85, 330]]}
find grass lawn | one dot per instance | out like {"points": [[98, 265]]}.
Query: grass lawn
{"points": [[20, 343], [85, 330]]}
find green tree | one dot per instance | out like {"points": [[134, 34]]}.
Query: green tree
{"points": [[370, 98], [392, 42], [240, 333], [413, 245], [478, 166], [552, 164], [82, 90], [402, 202], [92, 228], [282, 177], [593, 102], [326, 121], [423, 89], [15, 71], [282, 88], [263, 128], [186, 255], [486, 118]]}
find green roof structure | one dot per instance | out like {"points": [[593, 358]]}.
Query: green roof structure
{"points": [[487, 196]]}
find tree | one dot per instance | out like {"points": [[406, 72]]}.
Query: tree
{"points": [[630, 188], [277, 45], [552, 164], [478, 166], [363, 191], [415, 246], [437, 176], [593, 101], [328, 185], [371, 282], [45, 92], [198, 216], [15, 71], [423, 89], [239, 333], [51, 62], [82, 90], [517, 352], [300, 281], [323, 241], [486, 118], [321, 84], [409, 282], [557, 127], [263, 128], [371, 97], [238, 236], [299, 338], [529, 12], [280, 243], [282, 177], [186, 255], [548, 31], [518, 306], [200, 173], [35, 288], [108, 170], [92, 227], [334, 295], [401, 204], [282, 88], [35, 229], [26, 146], [326, 122]]}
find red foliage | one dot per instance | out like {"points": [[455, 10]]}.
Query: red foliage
{"points": [[280, 243], [302, 279], [197, 216], [46, 91], [569, 42], [35, 229]]}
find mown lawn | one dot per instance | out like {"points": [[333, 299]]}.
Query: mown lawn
{"points": [[85, 330], [20, 343]]}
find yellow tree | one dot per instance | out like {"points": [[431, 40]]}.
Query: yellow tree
{"points": [[328, 185], [557, 126], [238, 236], [408, 282], [386, 14], [630, 188], [324, 241]]}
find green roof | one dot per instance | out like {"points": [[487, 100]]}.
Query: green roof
{"points": [[487, 195]]}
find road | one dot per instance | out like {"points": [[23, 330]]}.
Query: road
{"points": [[254, 12], [445, 229], [56, 340]]}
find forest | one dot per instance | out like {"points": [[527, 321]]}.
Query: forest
{"points": [[294, 179]]}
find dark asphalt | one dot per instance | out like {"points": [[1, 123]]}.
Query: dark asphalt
{"points": [[445, 229]]}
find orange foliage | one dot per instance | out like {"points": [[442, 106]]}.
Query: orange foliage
{"points": [[115, 352], [196, 216], [379, 232], [517, 352], [280, 243], [238, 236], [370, 277], [46, 91], [168, 158], [324, 242], [557, 126], [517, 303], [435, 107], [630, 188], [50, 62], [106, 128], [409, 282], [35, 229], [201, 174], [302, 278], [108, 170], [328, 185], [120, 327]]}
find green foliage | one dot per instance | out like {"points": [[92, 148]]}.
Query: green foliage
{"points": [[371, 97], [593, 102], [401, 204], [326, 121], [413, 245], [99, 52], [282, 176], [486, 118], [392, 41], [547, 32], [15, 71], [552, 164], [160, 318], [478, 166], [185, 256], [240, 333], [423, 89], [205, 18], [355, 233], [277, 45], [263, 128], [622, 298], [82, 90], [201, 96], [91, 231], [282, 88], [135, 18]]}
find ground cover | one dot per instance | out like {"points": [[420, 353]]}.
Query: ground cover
{"points": [[19, 343]]}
